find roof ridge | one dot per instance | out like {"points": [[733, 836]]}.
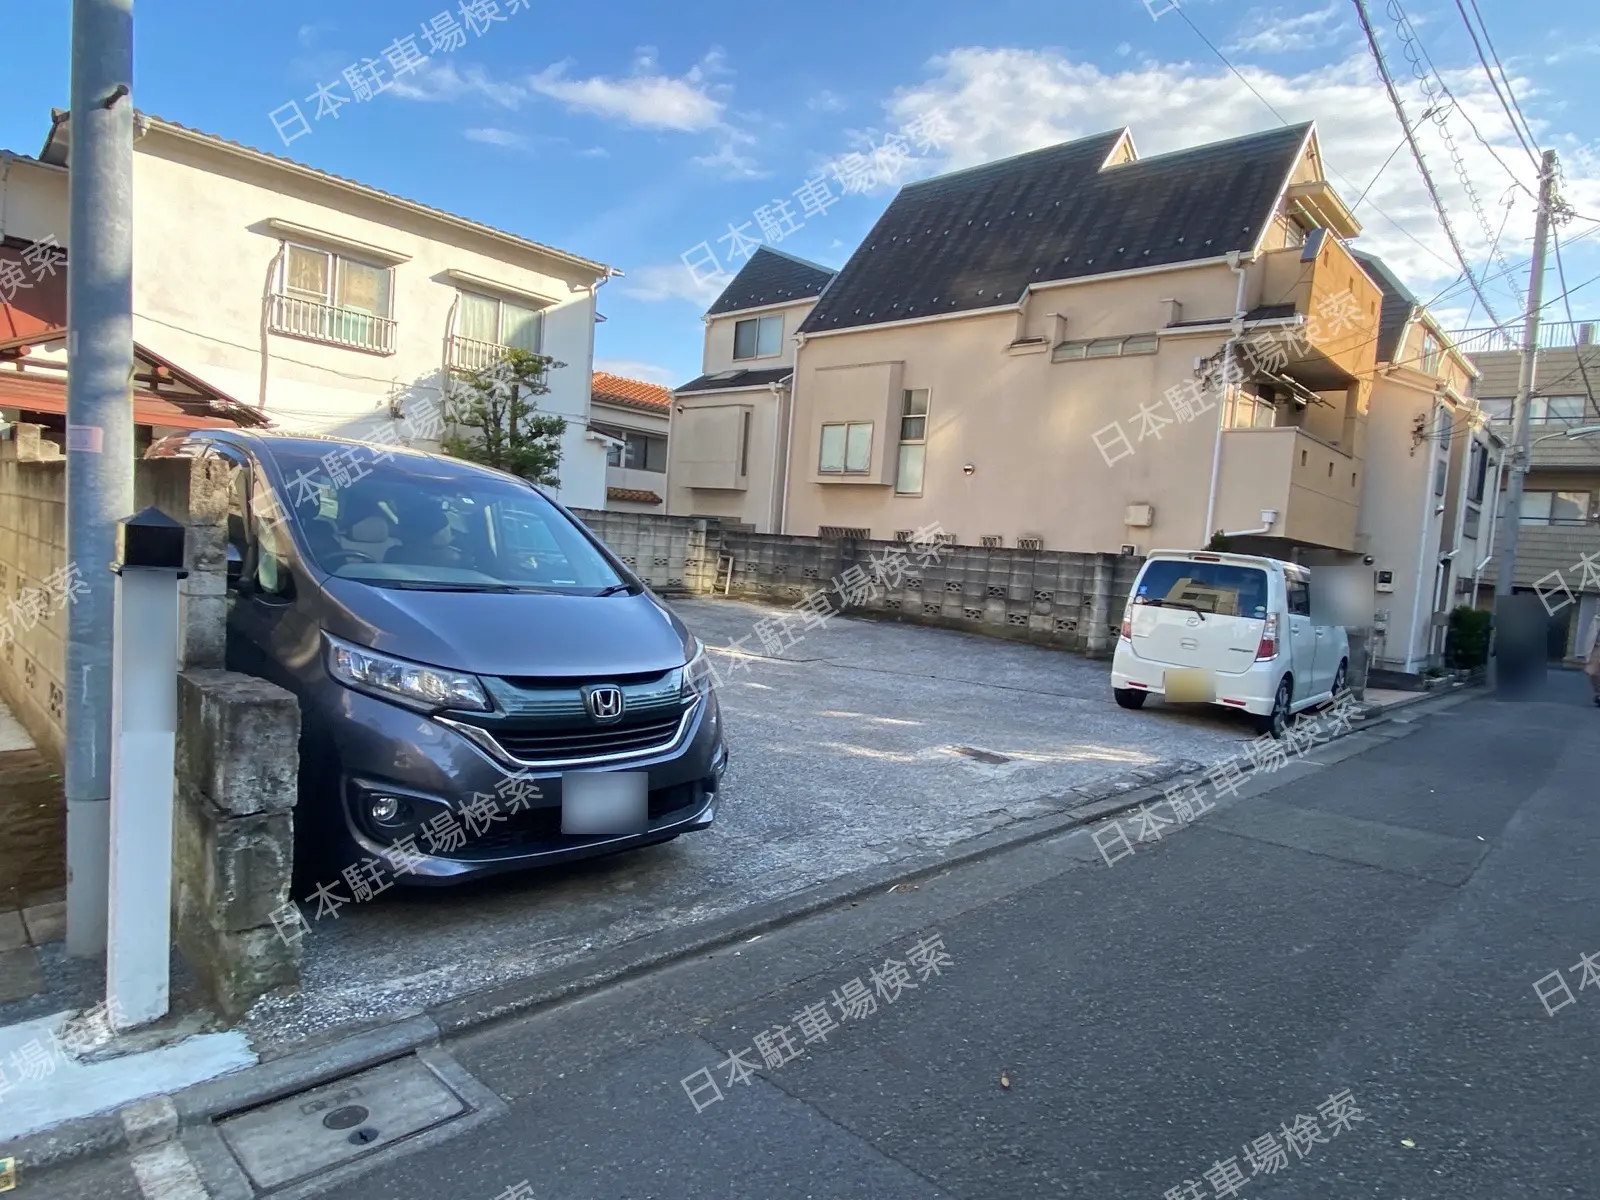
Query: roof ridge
{"points": [[1021, 154], [1260, 134], [804, 262]]}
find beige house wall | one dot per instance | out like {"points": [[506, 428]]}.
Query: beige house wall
{"points": [[756, 499], [206, 260], [718, 354]]}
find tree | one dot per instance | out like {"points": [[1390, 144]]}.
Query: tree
{"points": [[495, 417]]}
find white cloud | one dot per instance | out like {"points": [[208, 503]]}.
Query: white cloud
{"points": [[1269, 31], [644, 100], [630, 368], [1000, 102], [673, 281], [825, 101], [496, 137], [438, 81], [595, 152]]}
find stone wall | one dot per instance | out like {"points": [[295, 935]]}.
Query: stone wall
{"points": [[1052, 597], [233, 834]]}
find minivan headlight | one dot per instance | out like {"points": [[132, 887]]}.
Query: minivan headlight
{"points": [[697, 674], [395, 678]]}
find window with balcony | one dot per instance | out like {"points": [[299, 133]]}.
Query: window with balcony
{"points": [[846, 448], [328, 297], [1246, 410], [757, 337], [1554, 508], [913, 442], [486, 326]]}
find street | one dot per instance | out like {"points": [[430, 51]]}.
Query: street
{"points": [[1336, 970]]}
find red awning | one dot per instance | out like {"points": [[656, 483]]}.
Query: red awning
{"points": [[18, 390]]}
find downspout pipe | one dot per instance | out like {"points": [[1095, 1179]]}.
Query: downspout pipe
{"points": [[1269, 518], [1236, 264], [788, 434], [1494, 522], [1426, 523]]}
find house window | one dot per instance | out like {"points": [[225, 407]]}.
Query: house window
{"points": [[1542, 410], [913, 442], [485, 326], [331, 298], [1249, 411], [639, 452], [1431, 352], [1109, 347], [1294, 234], [1441, 475], [1555, 508], [1445, 419], [846, 448], [757, 337], [744, 442]]}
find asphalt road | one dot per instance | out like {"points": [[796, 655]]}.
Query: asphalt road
{"points": [[1348, 950]]}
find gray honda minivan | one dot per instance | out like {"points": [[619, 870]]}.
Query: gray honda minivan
{"points": [[483, 685]]}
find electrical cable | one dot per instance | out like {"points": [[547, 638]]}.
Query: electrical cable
{"points": [[1494, 83]]}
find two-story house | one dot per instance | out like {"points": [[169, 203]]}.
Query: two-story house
{"points": [[636, 416], [329, 305], [1432, 466], [1081, 349], [731, 424], [1558, 542]]}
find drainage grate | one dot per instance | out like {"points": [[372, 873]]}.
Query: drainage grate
{"points": [[324, 1128], [983, 756]]}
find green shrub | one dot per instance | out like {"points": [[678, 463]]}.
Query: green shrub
{"points": [[1466, 646]]}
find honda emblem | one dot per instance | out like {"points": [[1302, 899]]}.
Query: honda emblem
{"points": [[605, 704]]}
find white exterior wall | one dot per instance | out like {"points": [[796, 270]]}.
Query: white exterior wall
{"points": [[205, 262]]}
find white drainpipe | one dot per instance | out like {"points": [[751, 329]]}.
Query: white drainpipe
{"points": [[1422, 544], [1494, 522], [1236, 265], [1269, 518]]}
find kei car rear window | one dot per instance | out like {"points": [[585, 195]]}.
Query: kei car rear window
{"points": [[1220, 588]]}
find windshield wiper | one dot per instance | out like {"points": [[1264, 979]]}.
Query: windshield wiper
{"points": [[1194, 608], [614, 589]]}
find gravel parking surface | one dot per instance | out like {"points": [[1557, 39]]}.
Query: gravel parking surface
{"points": [[864, 742]]}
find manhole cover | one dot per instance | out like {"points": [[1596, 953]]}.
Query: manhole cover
{"points": [[983, 756], [315, 1131]]}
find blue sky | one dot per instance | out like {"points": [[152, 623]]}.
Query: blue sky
{"points": [[635, 132]]}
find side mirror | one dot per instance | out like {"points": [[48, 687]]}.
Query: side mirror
{"points": [[235, 565]]}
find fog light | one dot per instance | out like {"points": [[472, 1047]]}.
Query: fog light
{"points": [[384, 809]]}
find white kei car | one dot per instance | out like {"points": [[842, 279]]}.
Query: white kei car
{"points": [[1228, 629]]}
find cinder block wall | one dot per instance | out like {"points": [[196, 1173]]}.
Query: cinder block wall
{"points": [[1053, 597], [33, 549]]}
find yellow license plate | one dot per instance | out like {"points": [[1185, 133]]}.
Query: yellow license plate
{"points": [[1190, 685]]}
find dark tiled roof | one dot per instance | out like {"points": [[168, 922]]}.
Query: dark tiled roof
{"points": [[770, 277], [976, 238], [1398, 304], [720, 380]]}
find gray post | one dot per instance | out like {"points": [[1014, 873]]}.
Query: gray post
{"points": [[99, 431], [1521, 432]]}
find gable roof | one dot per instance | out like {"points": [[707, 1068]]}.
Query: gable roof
{"points": [[771, 277], [606, 388], [55, 153], [977, 238], [1399, 305]]}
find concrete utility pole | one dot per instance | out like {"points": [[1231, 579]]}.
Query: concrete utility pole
{"points": [[99, 431], [1521, 432]]}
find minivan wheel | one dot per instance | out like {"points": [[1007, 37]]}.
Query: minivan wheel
{"points": [[1129, 697], [1277, 721]]}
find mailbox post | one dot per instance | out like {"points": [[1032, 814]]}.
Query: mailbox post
{"points": [[144, 723]]}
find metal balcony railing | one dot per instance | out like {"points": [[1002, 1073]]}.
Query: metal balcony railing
{"points": [[1553, 335], [469, 354], [330, 323]]}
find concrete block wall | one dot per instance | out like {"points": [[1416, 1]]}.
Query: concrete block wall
{"points": [[33, 548], [1053, 597], [233, 835]]}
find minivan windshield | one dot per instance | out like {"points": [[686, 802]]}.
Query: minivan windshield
{"points": [[1206, 587], [400, 521]]}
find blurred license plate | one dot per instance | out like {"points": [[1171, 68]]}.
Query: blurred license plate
{"points": [[604, 802], [1190, 685]]}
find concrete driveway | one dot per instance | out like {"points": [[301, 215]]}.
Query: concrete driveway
{"points": [[863, 743]]}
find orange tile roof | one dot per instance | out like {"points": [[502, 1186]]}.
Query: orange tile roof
{"points": [[631, 393], [634, 495]]}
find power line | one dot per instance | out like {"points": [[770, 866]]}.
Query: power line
{"points": [[1416, 153], [1561, 274], [1495, 83]]}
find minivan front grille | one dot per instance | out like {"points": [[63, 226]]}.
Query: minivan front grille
{"points": [[544, 745]]}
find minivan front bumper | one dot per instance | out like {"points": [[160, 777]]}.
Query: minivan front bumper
{"points": [[435, 775]]}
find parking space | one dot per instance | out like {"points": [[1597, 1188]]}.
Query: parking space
{"points": [[861, 743]]}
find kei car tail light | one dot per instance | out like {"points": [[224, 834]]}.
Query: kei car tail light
{"points": [[1268, 649], [1127, 626]]}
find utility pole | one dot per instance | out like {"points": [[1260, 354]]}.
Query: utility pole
{"points": [[99, 432], [1521, 431]]}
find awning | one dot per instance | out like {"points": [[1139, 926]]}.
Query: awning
{"points": [[18, 390]]}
